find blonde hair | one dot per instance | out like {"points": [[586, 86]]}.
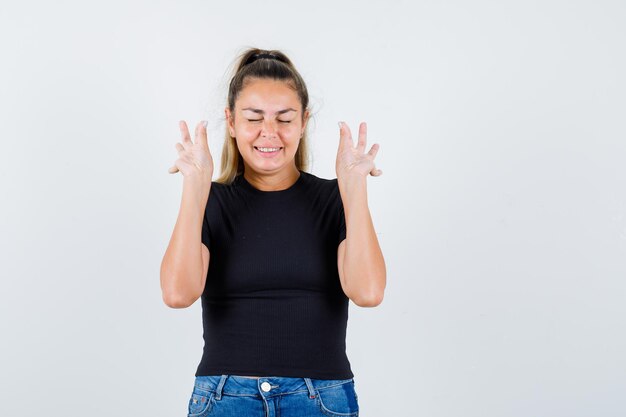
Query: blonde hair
{"points": [[252, 64]]}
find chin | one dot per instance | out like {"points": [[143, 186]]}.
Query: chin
{"points": [[267, 167]]}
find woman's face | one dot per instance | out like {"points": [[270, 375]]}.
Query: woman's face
{"points": [[267, 125]]}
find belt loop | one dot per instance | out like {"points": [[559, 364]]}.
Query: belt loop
{"points": [[218, 390], [309, 385]]}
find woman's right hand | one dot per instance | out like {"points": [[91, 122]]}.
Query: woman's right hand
{"points": [[194, 159]]}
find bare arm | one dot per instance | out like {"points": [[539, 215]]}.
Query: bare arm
{"points": [[186, 261], [360, 261]]}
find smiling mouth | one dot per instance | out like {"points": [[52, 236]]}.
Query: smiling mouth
{"points": [[268, 150]]}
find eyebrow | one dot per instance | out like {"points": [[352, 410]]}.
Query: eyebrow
{"points": [[262, 112]]}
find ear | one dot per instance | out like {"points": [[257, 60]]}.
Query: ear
{"points": [[306, 119], [230, 123]]}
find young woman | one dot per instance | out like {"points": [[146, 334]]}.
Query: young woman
{"points": [[273, 251]]}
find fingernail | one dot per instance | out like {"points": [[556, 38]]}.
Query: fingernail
{"points": [[339, 123], [204, 123]]}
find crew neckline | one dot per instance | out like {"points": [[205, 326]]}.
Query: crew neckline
{"points": [[294, 187]]}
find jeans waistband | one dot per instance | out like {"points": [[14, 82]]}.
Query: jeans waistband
{"points": [[265, 386]]}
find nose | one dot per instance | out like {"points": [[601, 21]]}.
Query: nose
{"points": [[268, 128]]}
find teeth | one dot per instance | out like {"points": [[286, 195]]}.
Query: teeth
{"points": [[268, 149]]}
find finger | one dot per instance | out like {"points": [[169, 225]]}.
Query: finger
{"points": [[184, 131], [376, 172], [201, 135], [173, 170], [179, 148], [360, 146], [345, 137], [374, 150]]}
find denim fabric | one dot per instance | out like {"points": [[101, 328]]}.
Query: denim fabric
{"points": [[233, 395]]}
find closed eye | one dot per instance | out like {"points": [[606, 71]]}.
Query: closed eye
{"points": [[258, 120]]}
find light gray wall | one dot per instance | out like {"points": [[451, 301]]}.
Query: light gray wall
{"points": [[501, 211]]}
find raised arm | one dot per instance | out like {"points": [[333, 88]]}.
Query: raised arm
{"points": [[360, 260], [185, 263]]}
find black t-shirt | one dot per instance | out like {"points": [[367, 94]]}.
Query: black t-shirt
{"points": [[273, 303]]}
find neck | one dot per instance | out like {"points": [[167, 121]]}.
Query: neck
{"points": [[272, 182]]}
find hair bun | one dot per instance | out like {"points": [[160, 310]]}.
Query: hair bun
{"points": [[266, 55]]}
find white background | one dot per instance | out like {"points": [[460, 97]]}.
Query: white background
{"points": [[501, 211]]}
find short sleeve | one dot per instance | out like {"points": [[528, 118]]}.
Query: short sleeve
{"points": [[206, 232], [342, 227], [342, 220]]}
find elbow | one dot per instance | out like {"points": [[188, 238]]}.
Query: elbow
{"points": [[177, 301], [373, 300], [178, 290], [372, 294], [176, 297]]}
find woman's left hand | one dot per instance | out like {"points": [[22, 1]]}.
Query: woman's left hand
{"points": [[354, 162]]}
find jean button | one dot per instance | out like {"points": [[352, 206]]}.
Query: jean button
{"points": [[265, 386]]}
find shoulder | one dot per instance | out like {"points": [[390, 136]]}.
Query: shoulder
{"points": [[323, 191], [217, 190], [314, 181], [222, 188], [221, 185], [220, 195]]}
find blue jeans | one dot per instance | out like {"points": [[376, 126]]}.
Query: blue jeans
{"points": [[233, 395]]}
